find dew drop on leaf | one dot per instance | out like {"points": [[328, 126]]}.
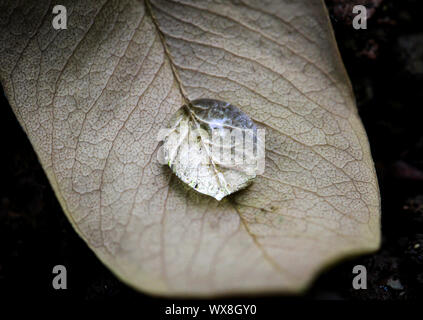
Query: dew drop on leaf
{"points": [[214, 147]]}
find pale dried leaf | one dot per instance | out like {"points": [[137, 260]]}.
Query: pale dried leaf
{"points": [[93, 97]]}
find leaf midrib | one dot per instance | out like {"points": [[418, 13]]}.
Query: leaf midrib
{"points": [[244, 223]]}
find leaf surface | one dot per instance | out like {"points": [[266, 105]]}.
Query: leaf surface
{"points": [[92, 99]]}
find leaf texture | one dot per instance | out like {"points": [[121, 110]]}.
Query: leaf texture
{"points": [[93, 97]]}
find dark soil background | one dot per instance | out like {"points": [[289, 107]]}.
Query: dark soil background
{"points": [[385, 64]]}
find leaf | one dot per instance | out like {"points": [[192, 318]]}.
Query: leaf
{"points": [[212, 146], [92, 99]]}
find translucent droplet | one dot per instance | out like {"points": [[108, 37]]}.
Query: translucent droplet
{"points": [[214, 147]]}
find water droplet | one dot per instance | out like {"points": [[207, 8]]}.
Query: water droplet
{"points": [[214, 147]]}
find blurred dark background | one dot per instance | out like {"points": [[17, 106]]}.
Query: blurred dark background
{"points": [[385, 64]]}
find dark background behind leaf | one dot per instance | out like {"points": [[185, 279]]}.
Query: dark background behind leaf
{"points": [[385, 64]]}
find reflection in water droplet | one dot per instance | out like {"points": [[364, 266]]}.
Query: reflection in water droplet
{"points": [[219, 114], [213, 147]]}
